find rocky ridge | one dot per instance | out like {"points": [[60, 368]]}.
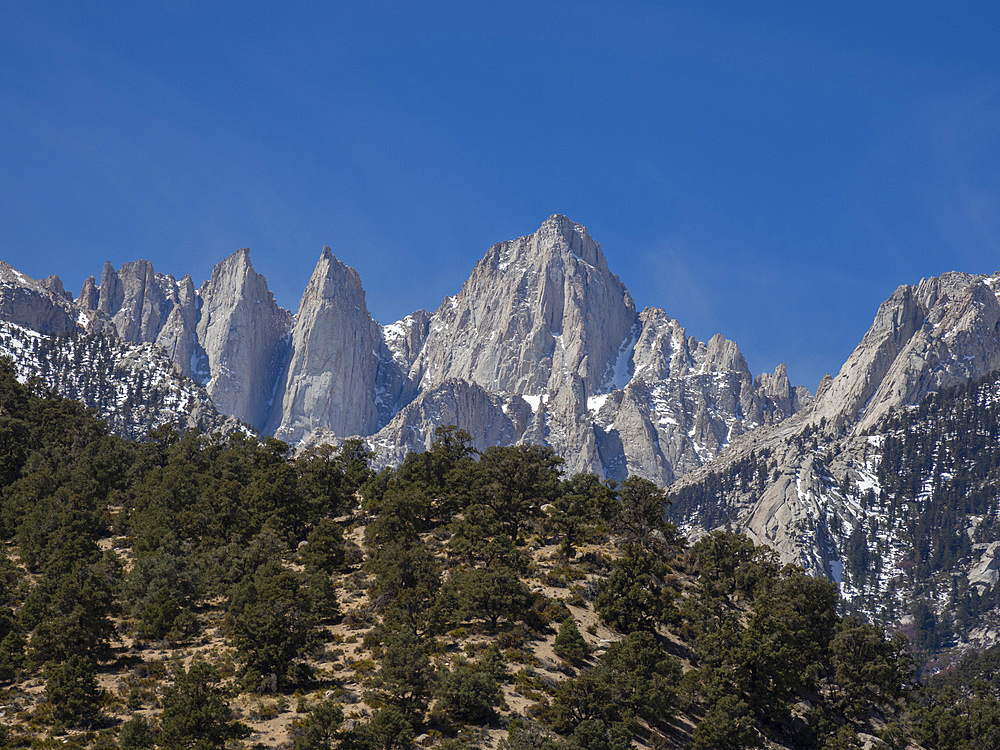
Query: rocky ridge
{"points": [[542, 319], [804, 486], [329, 379], [542, 344], [132, 387]]}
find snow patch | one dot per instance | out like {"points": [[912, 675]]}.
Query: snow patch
{"points": [[619, 372], [535, 400], [837, 571], [596, 403]]}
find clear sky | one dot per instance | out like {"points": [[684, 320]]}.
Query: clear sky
{"points": [[770, 171]]}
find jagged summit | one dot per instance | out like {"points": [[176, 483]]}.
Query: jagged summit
{"points": [[926, 338], [534, 311], [543, 343], [242, 337], [329, 380], [559, 233], [27, 302], [939, 333]]}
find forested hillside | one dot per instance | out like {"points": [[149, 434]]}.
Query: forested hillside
{"points": [[197, 591], [937, 476]]}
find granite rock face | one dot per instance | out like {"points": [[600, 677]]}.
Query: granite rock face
{"points": [[542, 344], [329, 382], [685, 402], [613, 391], [138, 305], [804, 485], [534, 313], [26, 302], [242, 341], [939, 333], [489, 418]]}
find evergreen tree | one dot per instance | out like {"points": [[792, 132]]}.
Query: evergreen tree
{"points": [[196, 715], [71, 687], [635, 596], [469, 695], [388, 729], [405, 676], [569, 644], [727, 725], [516, 481], [271, 620], [319, 730], [135, 734]]}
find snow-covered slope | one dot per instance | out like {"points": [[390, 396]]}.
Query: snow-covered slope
{"points": [[134, 387]]}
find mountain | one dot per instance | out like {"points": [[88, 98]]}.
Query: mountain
{"points": [[133, 387], [79, 351], [879, 483], [184, 591], [329, 380], [542, 319], [543, 344], [241, 340]]}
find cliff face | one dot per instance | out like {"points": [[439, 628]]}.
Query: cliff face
{"points": [[939, 333], [535, 312], [26, 302], [542, 331], [242, 337], [813, 487], [614, 391], [329, 382]]}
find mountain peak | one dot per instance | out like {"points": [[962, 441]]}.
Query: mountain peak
{"points": [[37, 305], [538, 307], [332, 365], [559, 234], [331, 276], [242, 331], [237, 261], [10, 275]]}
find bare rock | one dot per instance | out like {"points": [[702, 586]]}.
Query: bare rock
{"points": [[330, 379], [536, 308], [939, 333], [29, 303], [243, 333], [490, 420]]}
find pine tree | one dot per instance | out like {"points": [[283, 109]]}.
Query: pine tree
{"points": [[71, 687], [196, 715], [570, 644]]}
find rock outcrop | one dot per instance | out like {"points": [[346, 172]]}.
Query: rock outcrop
{"points": [[243, 334], [939, 333], [807, 486], [535, 312], [330, 379], [138, 305], [489, 418], [546, 340], [26, 302], [615, 392]]}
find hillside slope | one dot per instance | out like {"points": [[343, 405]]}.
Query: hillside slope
{"points": [[188, 588]]}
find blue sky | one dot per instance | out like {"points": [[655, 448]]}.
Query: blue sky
{"points": [[768, 171]]}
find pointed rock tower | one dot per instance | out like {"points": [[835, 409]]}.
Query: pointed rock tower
{"points": [[243, 336], [329, 382]]}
